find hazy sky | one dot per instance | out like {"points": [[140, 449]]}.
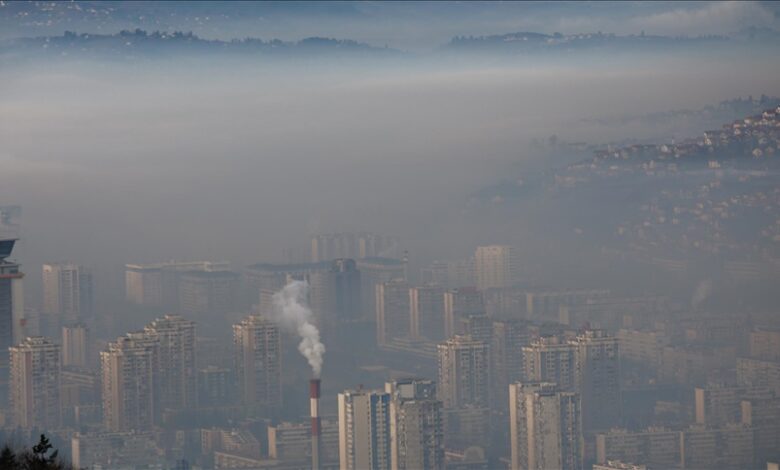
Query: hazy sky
{"points": [[173, 162], [405, 25], [141, 161]]}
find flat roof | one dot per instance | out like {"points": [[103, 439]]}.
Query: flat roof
{"points": [[6, 247]]}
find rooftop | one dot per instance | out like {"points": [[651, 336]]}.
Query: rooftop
{"points": [[6, 247]]}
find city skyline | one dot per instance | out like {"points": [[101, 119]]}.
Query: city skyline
{"points": [[364, 235]]}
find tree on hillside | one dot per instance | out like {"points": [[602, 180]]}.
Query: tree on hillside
{"points": [[8, 458], [43, 456]]}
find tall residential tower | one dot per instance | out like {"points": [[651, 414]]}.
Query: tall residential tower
{"points": [[11, 303], [177, 379], [128, 377], [364, 430], [35, 384], [545, 427], [67, 290], [416, 425], [258, 361], [495, 266]]}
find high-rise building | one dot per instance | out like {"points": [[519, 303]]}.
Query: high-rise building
{"points": [[75, 345], [79, 395], [508, 302], [128, 379], [375, 271], [143, 284], [35, 384], [426, 310], [495, 266], [603, 310], [464, 372], [263, 280], [364, 430], [450, 274], [416, 425], [258, 361], [642, 348], [11, 304], [392, 311], [215, 386], [147, 372], [435, 273], [327, 247], [177, 379], [208, 292], [480, 328], [728, 447], [587, 364], [467, 427], [764, 343], [547, 304], [157, 284], [762, 415], [551, 359], [758, 373], [598, 379], [344, 303], [67, 290], [459, 304], [691, 363], [718, 404], [506, 351], [461, 273], [545, 427]]}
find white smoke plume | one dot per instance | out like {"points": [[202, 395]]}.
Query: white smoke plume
{"points": [[703, 290], [292, 313]]}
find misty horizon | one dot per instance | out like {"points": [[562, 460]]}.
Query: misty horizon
{"points": [[413, 202]]}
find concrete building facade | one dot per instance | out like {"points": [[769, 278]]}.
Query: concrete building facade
{"points": [[67, 290], [464, 372], [416, 425], [495, 266], [35, 384], [258, 361], [545, 427], [364, 430]]}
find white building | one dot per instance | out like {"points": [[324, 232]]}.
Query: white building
{"points": [[157, 284], [364, 430], [495, 266], [35, 384], [464, 372], [416, 425], [67, 290], [545, 427]]}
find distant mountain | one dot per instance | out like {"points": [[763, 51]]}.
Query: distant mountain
{"points": [[758, 34], [531, 42], [712, 197], [738, 144], [709, 116], [140, 43], [538, 42]]}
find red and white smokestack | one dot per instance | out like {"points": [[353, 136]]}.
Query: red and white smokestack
{"points": [[314, 399]]}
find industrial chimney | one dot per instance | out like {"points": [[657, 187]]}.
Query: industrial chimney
{"points": [[314, 398]]}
